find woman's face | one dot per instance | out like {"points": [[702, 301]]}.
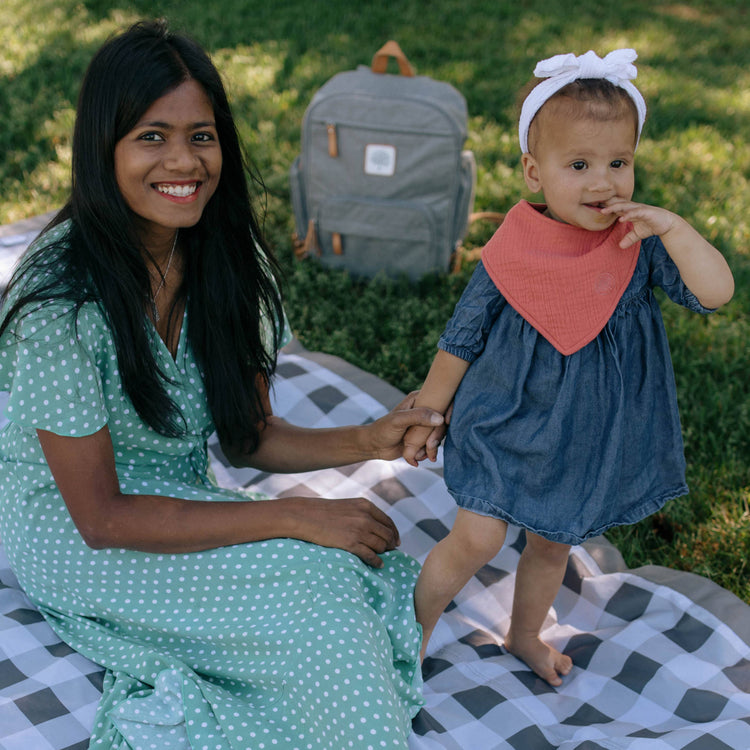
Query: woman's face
{"points": [[168, 166]]}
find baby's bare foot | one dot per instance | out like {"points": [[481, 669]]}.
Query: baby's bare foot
{"points": [[546, 661]]}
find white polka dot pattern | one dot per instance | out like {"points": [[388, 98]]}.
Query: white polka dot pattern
{"points": [[277, 644]]}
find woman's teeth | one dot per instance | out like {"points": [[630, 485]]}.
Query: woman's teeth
{"points": [[179, 191]]}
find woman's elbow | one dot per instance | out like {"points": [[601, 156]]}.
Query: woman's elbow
{"points": [[95, 537], [101, 530], [234, 454], [251, 451]]}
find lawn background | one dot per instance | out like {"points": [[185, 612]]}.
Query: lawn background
{"points": [[694, 158]]}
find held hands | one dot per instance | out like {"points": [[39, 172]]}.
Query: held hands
{"points": [[438, 391], [416, 448], [389, 431], [355, 524], [421, 443]]}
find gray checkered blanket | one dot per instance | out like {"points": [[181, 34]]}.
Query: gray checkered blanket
{"points": [[662, 659]]}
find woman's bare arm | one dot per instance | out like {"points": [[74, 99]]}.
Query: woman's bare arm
{"points": [[84, 470], [284, 447]]}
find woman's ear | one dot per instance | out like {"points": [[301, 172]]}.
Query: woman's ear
{"points": [[531, 173]]}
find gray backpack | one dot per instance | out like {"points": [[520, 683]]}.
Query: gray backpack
{"points": [[383, 182]]}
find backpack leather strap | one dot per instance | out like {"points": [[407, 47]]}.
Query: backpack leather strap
{"points": [[308, 246], [461, 255], [388, 50]]}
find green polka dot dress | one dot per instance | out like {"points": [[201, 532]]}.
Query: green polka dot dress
{"points": [[275, 644]]}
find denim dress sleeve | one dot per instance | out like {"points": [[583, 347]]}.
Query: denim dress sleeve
{"points": [[664, 274], [466, 333]]}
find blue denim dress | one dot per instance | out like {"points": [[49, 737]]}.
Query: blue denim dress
{"points": [[567, 446]]}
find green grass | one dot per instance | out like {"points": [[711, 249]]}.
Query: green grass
{"points": [[694, 70]]}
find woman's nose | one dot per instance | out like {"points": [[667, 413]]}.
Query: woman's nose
{"points": [[180, 156]]}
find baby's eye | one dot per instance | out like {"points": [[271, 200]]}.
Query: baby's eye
{"points": [[617, 164], [578, 165]]}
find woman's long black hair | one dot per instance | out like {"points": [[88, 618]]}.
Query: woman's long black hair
{"points": [[229, 272]]}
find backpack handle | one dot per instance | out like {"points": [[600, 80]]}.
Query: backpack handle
{"points": [[388, 50]]}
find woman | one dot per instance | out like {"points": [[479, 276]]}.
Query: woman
{"points": [[145, 318]]}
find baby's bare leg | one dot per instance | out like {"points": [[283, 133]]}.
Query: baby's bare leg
{"points": [[473, 541], [540, 573]]}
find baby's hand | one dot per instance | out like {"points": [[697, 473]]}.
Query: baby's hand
{"points": [[415, 444], [646, 220]]}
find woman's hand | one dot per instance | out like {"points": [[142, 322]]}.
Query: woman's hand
{"points": [[352, 524], [84, 470], [387, 433]]}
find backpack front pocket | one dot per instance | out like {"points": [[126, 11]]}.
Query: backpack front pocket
{"points": [[368, 236]]}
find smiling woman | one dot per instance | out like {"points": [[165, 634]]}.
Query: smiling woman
{"points": [[167, 169], [168, 166], [145, 318]]}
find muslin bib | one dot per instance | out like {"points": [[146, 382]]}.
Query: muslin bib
{"points": [[563, 280]]}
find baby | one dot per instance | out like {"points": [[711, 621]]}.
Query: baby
{"points": [[565, 418]]}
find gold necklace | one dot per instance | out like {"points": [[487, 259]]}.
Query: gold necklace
{"points": [[154, 309]]}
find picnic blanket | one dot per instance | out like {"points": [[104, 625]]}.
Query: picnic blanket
{"points": [[662, 658]]}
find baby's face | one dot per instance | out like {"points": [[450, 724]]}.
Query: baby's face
{"points": [[580, 165]]}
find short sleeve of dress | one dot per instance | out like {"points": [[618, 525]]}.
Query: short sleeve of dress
{"points": [[480, 304], [664, 274], [48, 363]]}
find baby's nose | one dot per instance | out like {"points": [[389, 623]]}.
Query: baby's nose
{"points": [[600, 180]]}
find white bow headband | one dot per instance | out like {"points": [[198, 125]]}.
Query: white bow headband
{"points": [[617, 67]]}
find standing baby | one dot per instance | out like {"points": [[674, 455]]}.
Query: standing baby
{"points": [[565, 418]]}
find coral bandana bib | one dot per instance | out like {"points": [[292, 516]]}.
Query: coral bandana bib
{"points": [[563, 280]]}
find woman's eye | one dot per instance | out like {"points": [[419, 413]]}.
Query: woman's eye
{"points": [[150, 137], [203, 137]]}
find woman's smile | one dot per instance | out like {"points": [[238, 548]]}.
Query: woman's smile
{"points": [[180, 193], [168, 166]]}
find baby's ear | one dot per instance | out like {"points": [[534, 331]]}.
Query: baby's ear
{"points": [[531, 173]]}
